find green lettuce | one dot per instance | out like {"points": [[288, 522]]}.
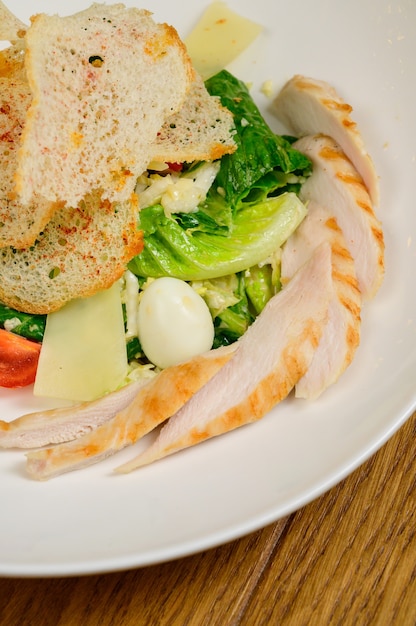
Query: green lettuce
{"points": [[24, 324], [263, 162], [197, 253], [249, 212]]}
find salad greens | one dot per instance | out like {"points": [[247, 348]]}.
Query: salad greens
{"points": [[249, 211], [24, 324], [232, 321], [190, 247], [264, 163], [237, 230], [228, 247]]}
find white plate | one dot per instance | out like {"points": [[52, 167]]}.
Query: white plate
{"points": [[92, 521]]}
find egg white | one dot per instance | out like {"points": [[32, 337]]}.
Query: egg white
{"points": [[174, 322]]}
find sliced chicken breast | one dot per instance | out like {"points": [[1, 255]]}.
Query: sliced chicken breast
{"points": [[336, 185], [341, 335], [307, 106], [272, 356], [157, 400], [42, 428]]}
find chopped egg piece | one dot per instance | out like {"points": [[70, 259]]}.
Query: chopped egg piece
{"points": [[267, 88], [218, 38], [182, 197], [178, 193], [174, 322]]}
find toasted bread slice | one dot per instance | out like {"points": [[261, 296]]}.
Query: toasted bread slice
{"points": [[19, 224], [81, 251], [11, 28], [12, 63], [103, 81], [201, 131]]}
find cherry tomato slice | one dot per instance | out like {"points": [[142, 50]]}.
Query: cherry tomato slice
{"points": [[175, 167], [18, 360]]}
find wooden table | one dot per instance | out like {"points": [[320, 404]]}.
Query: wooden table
{"points": [[347, 558]]}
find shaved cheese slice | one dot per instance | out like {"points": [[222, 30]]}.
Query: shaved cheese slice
{"points": [[218, 38], [83, 352]]}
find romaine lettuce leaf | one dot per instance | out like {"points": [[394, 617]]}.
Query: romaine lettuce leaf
{"points": [[259, 150], [235, 300], [259, 286], [196, 253]]}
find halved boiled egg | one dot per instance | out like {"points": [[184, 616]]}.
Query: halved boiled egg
{"points": [[174, 322]]}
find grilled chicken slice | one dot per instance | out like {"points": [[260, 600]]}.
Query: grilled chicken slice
{"points": [[336, 185], [341, 335], [155, 401], [307, 106], [272, 356], [42, 428]]}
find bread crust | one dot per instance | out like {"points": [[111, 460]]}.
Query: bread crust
{"points": [[11, 28], [19, 224], [81, 251], [202, 130]]}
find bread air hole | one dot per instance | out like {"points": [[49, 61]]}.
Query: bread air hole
{"points": [[55, 271], [96, 61]]}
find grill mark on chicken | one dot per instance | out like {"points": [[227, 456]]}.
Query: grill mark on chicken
{"points": [[351, 281], [348, 123], [340, 250], [350, 304], [343, 253], [303, 84], [353, 339], [336, 105], [329, 153], [312, 331], [378, 234], [331, 222], [365, 206], [350, 179]]}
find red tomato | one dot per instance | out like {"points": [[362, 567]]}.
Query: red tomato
{"points": [[175, 167], [18, 360]]}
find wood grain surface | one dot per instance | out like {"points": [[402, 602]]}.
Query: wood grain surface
{"points": [[347, 558]]}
